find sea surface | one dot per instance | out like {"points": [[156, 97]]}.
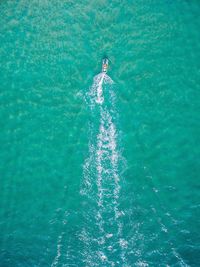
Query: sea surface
{"points": [[99, 170]]}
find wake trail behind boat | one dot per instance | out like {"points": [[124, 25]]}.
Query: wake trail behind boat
{"points": [[101, 238], [101, 181]]}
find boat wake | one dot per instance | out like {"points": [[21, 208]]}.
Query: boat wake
{"points": [[101, 181], [97, 236]]}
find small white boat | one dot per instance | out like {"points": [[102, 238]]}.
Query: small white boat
{"points": [[105, 65]]}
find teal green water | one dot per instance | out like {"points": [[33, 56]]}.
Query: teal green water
{"points": [[61, 202]]}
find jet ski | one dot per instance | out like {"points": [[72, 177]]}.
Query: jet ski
{"points": [[105, 65]]}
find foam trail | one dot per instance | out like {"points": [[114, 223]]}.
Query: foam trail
{"points": [[100, 98], [101, 173], [102, 238], [58, 254]]}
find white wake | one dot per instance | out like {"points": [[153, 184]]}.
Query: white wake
{"points": [[101, 181]]}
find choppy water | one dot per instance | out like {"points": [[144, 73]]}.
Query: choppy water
{"points": [[91, 173]]}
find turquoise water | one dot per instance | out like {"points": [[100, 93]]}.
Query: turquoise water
{"points": [[91, 178]]}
